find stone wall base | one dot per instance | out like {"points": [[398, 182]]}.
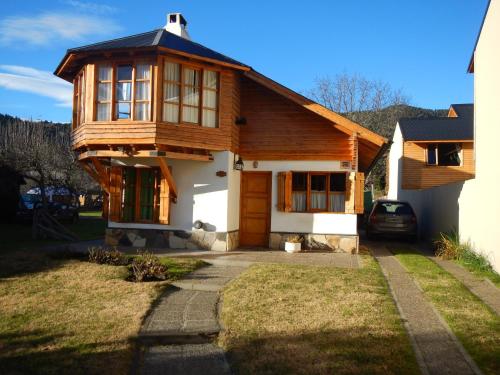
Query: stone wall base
{"points": [[172, 239], [338, 243]]}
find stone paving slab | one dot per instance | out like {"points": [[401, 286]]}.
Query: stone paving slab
{"points": [[183, 312], [484, 289], [437, 349], [190, 359], [210, 279]]}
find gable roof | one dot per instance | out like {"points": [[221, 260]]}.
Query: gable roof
{"points": [[470, 67], [460, 128]]}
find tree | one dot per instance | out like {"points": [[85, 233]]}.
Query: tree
{"points": [[373, 104]]}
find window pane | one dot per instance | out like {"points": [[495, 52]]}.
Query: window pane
{"points": [[431, 154], [172, 72], [147, 194], [128, 198], [123, 110], [337, 202], [171, 112], [142, 111], [191, 96], [142, 71], [171, 92], [142, 90], [449, 154], [191, 77], [209, 99], [123, 91], [209, 118], [318, 192], [124, 72], [105, 73], [104, 91], [337, 181], [103, 111], [210, 79], [190, 114], [299, 181]]}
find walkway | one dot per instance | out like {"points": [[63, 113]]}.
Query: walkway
{"points": [[437, 349], [178, 334]]}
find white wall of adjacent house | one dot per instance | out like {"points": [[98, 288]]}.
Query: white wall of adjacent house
{"points": [[480, 199], [202, 195], [395, 166], [319, 223]]}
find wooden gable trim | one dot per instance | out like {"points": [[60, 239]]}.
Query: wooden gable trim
{"points": [[341, 123], [168, 176]]}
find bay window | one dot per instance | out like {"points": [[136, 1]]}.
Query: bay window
{"points": [[79, 104], [190, 95], [128, 88]]}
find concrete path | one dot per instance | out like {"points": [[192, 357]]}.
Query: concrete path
{"points": [[437, 349], [177, 336], [482, 288]]}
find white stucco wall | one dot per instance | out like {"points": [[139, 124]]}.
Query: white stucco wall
{"points": [[395, 164], [304, 222], [202, 195], [480, 200]]}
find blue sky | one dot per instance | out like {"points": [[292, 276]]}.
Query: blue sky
{"points": [[422, 47]]}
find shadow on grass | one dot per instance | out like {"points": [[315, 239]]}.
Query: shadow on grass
{"points": [[35, 353], [350, 351]]}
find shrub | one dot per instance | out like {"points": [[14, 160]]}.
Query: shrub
{"points": [[147, 267], [112, 257], [448, 246]]}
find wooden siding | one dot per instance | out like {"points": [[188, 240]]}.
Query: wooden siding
{"points": [[278, 129], [418, 175]]}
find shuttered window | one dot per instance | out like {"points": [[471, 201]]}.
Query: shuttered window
{"points": [[319, 192], [139, 195]]}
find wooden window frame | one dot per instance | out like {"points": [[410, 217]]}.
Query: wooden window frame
{"points": [[79, 99], [137, 196], [436, 151], [327, 188], [201, 69], [114, 81]]}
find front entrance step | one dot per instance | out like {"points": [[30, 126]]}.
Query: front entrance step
{"points": [[191, 359]]}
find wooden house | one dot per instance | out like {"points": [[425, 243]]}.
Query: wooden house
{"points": [[197, 150]]}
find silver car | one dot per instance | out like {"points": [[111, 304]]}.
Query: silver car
{"points": [[391, 217]]}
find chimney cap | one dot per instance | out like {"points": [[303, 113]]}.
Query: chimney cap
{"points": [[176, 18], [177, 24]]}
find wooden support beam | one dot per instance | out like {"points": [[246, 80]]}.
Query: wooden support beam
{"points": [[101, 171], [144, 153], [92, 172], [168, 176]]}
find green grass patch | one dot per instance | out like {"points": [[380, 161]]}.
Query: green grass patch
{"points": [[292, 319], [62, 316], [475, 325], [91, 214]]}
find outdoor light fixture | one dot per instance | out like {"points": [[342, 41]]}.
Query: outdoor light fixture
{"points": [[238, 165]]}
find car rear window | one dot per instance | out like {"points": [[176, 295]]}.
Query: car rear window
{"points": [[394, 208]]}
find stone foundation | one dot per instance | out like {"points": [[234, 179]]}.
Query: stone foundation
{"points": [[172, 239], [338, 243]]}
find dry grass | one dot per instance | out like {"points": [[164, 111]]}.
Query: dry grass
{"points": [[475, 325], [69, 316], [287, 319]]}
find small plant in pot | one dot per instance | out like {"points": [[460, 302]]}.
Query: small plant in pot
{"points": [[293, 244]]}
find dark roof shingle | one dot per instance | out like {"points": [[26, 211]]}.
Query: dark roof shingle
{"points": [[441, 128], [158, 38]]}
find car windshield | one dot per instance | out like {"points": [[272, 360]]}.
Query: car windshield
{"points": [[394, 208]]}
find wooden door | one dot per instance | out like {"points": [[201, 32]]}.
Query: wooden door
{"points": [[255, 208]]}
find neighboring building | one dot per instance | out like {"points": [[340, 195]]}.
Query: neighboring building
{"points": [[471, 205], [429, 161], [197, 150]]}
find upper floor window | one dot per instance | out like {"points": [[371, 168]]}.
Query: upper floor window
{"points": [[124, 92], [79, 87], [190, 95], [444, 154]]}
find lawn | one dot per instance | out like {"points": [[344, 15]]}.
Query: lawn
{"points": [[290, 319], [475, 325], [71, 316]]}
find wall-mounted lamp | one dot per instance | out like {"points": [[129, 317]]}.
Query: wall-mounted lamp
{"points": [[238, 165]]}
